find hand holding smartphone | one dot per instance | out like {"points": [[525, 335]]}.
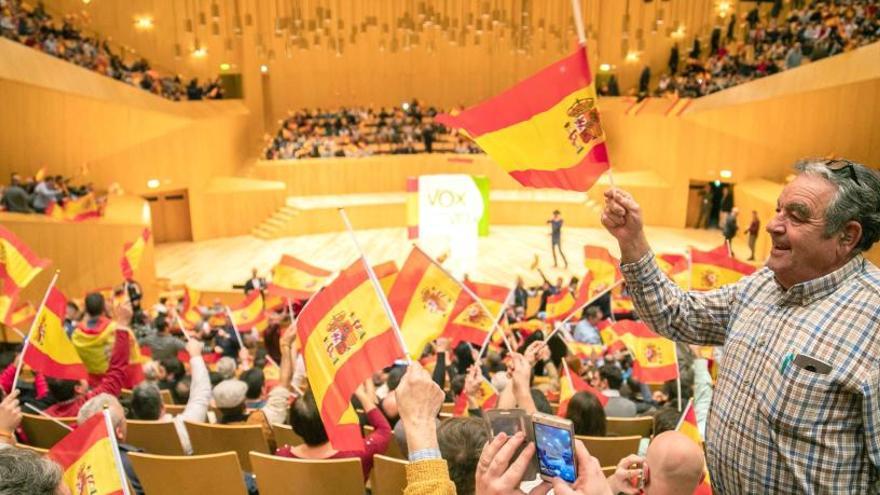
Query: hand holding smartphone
{"points": [[554, 444]]}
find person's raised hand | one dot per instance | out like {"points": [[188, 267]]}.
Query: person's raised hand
{"points": [[418, 402], [194, 347], [288, 337], [628, 468], [520, 371], [366, 394], [496, 475], [533, 351], [441, 345], [622, 217], [10, 412], [590, 480]]}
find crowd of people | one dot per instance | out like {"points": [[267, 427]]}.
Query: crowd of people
{"points": [[34, 27], [817, 289], [364, 131], [761, 45], [36, 194]]}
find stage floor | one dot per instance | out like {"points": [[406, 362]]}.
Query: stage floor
{"points": [[508, 252]]}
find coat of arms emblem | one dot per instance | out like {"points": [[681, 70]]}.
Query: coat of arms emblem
{"points": [[434, 300], [85, 481], [585, 125], [475, 315], [343, 333]]}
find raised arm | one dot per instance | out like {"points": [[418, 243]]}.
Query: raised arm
{"points": [[196, 409]]}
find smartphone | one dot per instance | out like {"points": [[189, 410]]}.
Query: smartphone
{"points": [[554, 444], [511, 421]]}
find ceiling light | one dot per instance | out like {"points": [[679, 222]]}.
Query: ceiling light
{"points": [[225, 67], [726, 174], [632, 56], [143, 23], [264, 69], [153, 183], [200, 52], [604, 67]]}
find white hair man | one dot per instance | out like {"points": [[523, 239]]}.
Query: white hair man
{"points": [[96, 405]]}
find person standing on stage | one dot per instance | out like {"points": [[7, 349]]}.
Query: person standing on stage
{"points": [[556, 237], [753, 233]]}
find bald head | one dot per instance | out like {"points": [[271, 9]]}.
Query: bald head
{"points": [[676, 464]]}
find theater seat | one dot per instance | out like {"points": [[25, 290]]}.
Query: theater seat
{"points": [[167, 398], [610, 450], [388, 476], [241, 439], [154, 437], [393, 449], [215, 474], [622, 427], [285, 476], [43, 432], [284, 435]]}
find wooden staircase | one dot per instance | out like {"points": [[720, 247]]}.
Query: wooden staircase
{"points": [[277, 224]]}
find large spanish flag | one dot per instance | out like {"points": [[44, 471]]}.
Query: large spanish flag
{"points": [[95, 344], [604, 269], [346, 337], [249, 312], [571, 384], [422, 299], [470, 322], [654, 357], [49, 350], [89, 458], [712, 269], [295, 279], [77, 209], [611, 338], [545, 131], [385, 272], [18, 264], [132, 252]]}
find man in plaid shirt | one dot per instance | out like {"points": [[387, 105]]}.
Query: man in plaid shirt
{"points": [[797, 404]]}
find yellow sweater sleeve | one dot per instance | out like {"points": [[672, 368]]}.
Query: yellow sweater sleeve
{"points": [[429, 477]]}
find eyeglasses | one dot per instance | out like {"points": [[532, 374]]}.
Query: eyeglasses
{"points": [[842, 167]]}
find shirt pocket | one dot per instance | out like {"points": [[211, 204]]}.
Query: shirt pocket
{"points": [[801, 400]]}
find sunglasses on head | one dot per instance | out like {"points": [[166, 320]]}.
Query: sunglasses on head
{"points": [[845, 167]]}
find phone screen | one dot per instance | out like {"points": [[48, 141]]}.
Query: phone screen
{"points": [[555, 455], [509, 424]]}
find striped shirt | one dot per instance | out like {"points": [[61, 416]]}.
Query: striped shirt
{"points": [[776, 426]]}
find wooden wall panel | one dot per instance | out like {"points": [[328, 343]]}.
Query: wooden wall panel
{"points": [[87, 253], [231, 206]]}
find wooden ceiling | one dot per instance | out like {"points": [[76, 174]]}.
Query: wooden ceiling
{"points": [[319, 52]]}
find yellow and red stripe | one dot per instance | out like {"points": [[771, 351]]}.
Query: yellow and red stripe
{"points": [[545, 131], [49, 350], [471, 323], [87, 455], [18, 263], [712, 269], [132, 252], [295, 279], [654, 357], [249, 312]]}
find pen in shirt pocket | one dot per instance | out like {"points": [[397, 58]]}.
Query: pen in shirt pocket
{"points": [[786, 362]]}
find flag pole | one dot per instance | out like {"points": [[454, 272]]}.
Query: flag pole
{"points": [[376, 285], [50, 418], [180, 324], [111, 432], [234, 326], [34, 324], [471, 294], [729, 249], [681, 419], [678, 375], [496, 327], [582, 306]]}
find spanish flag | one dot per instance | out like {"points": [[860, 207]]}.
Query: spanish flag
{"points": [[710, 270], [295, 279], [545, 131], [654, 357], [249, 312], [488, 399], [688, 426], [676, 267], [77, 209], [604, 269], [274, 303], [49, 350], [423, 298], [571, 384], [471, 323], [189, 312], [21, 315], [346, 337], [95, 344], [132, 252], [584, 350], [18, 264], [89, 458], [610, 336]]}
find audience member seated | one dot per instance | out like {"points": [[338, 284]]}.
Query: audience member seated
{"points": [[25, 471], [610, 381], [674, 465], [306, 422], [355, 132], [146, 401], [769, 45], [39, 193], [461, 442], [96, 405], [587, 414], [34, 27]]}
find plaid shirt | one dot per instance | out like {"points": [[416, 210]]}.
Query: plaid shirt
{"points": [[774, 426]]}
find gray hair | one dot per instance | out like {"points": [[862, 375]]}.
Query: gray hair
{"points": [[226, 367], [96, 404], [855, 200], [24, 471]]}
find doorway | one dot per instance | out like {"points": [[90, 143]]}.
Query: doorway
{"points": [[697, 216], [170, 213]]}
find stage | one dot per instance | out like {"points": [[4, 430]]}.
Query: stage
{"points": [[508, 252]]}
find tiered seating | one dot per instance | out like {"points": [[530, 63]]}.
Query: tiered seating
{"points": [[329, 477], [217, 474]]}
